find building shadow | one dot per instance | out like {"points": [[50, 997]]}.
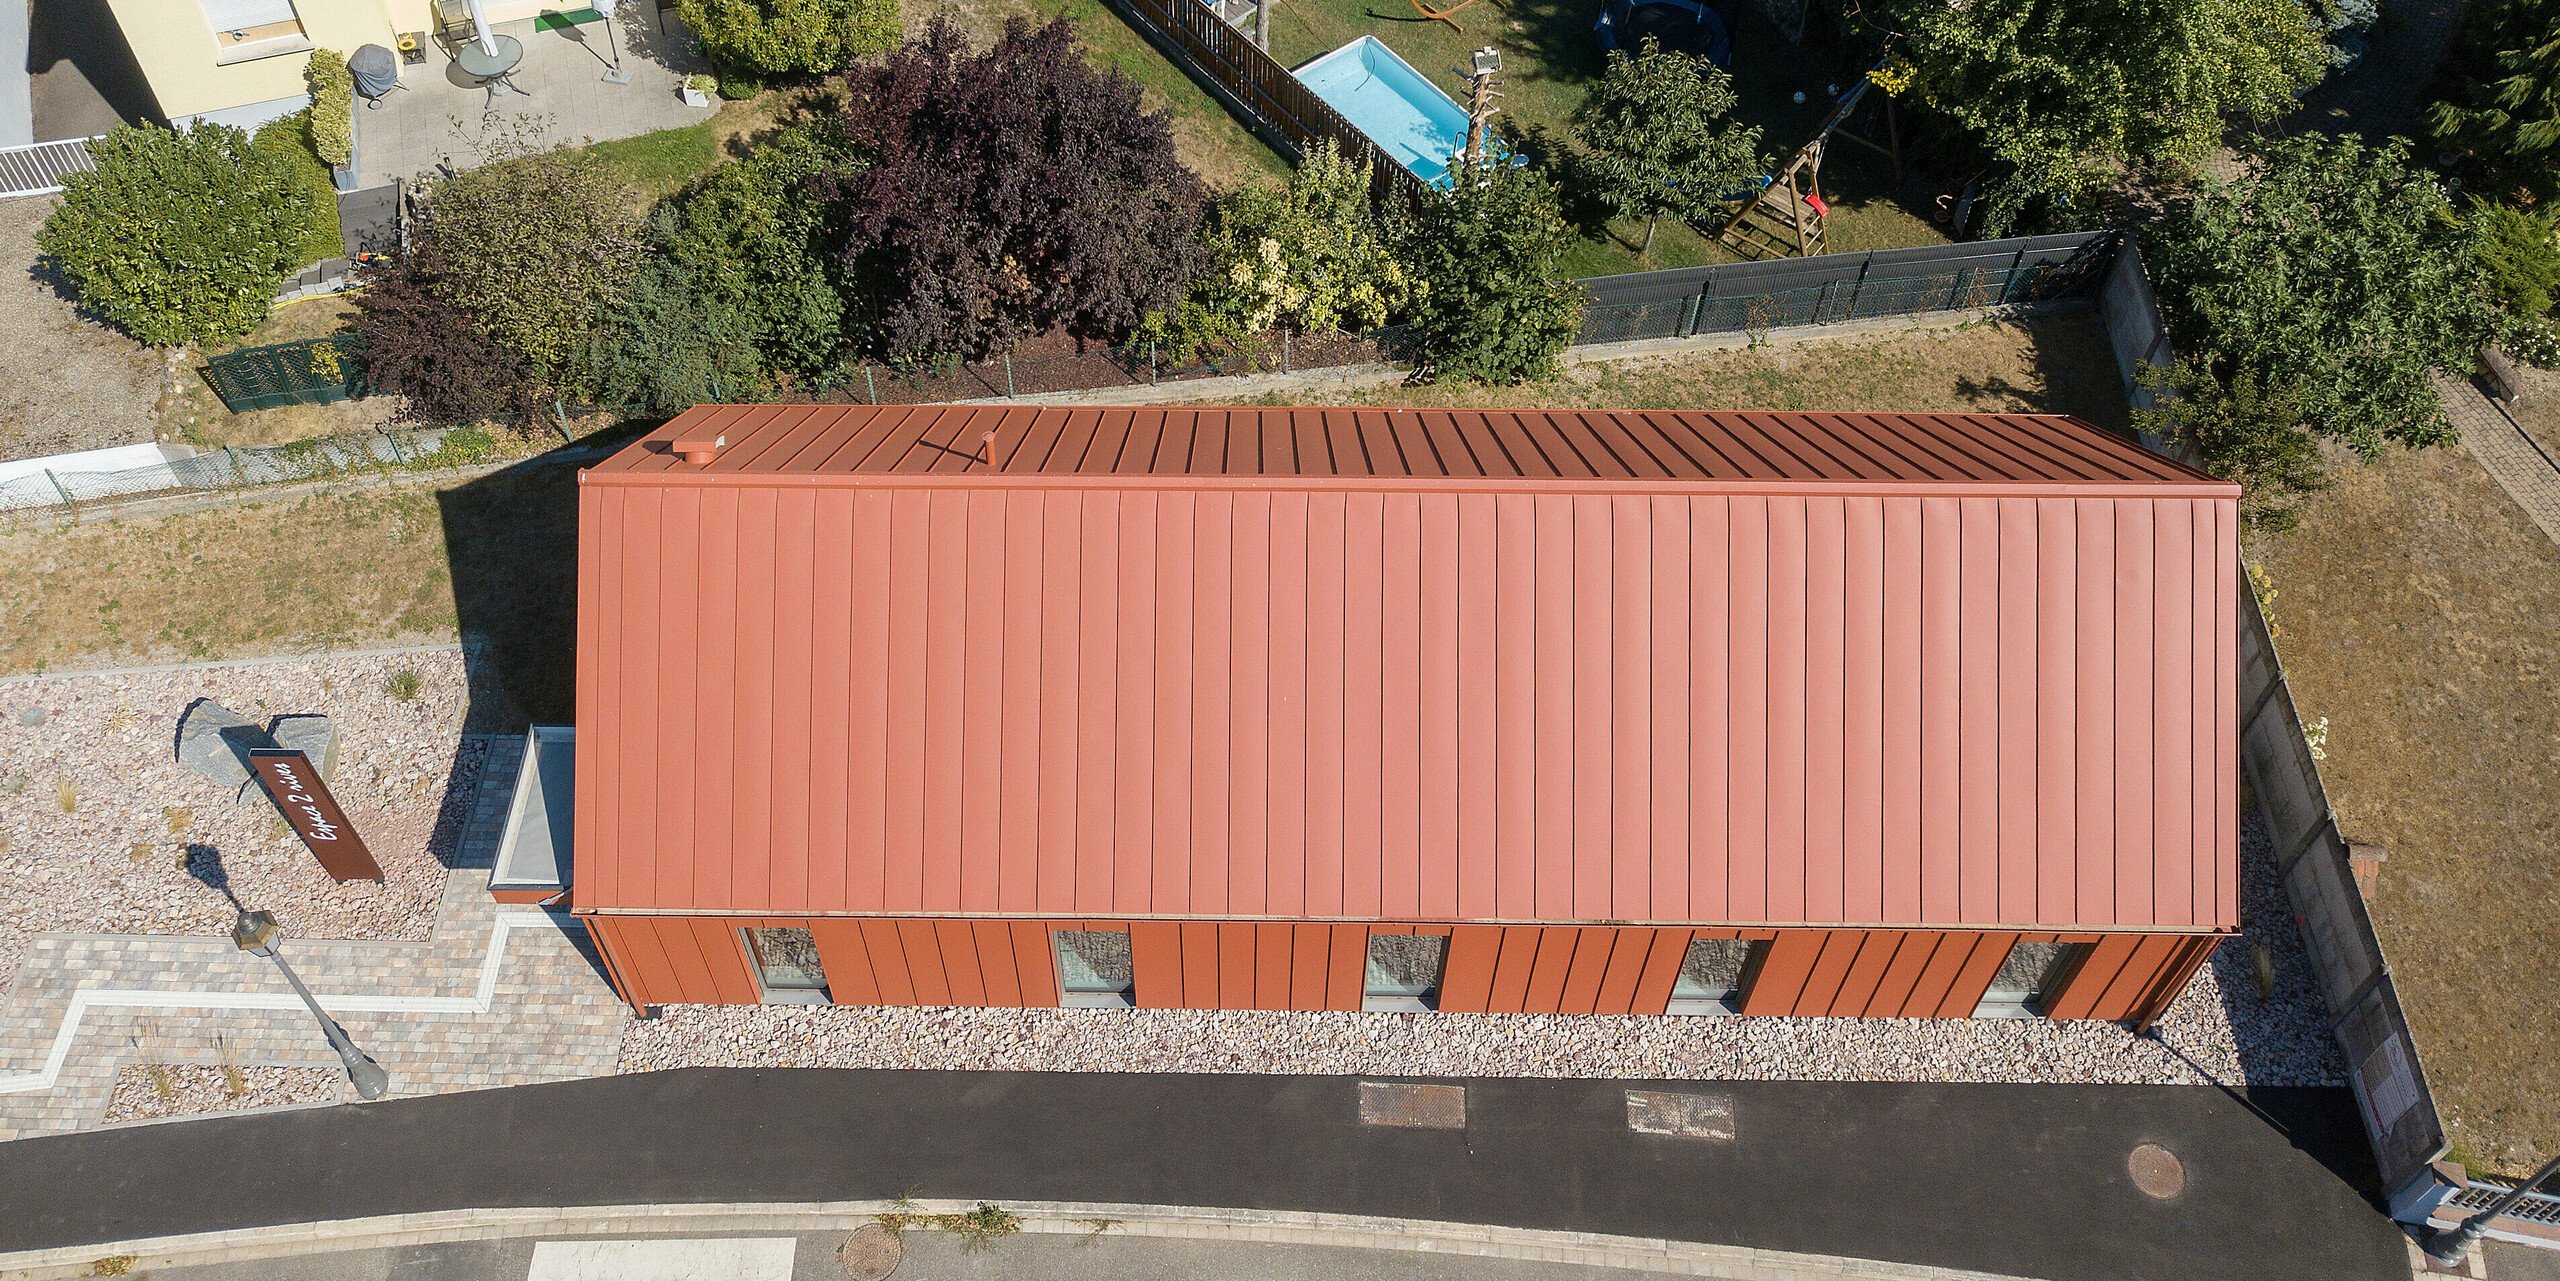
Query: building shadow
{"points": [[84, 79], [511, 543]]}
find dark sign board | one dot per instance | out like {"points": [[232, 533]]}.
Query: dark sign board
{"points": [[298, 790]]}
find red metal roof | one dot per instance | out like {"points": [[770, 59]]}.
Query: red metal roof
{"points": [[950, 440], [1921, 670]]}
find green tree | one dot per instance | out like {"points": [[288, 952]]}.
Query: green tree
{"points": [[179, 237], [1655, 145], [2242, 432], [667, 344], [1492, 306], [2057, 89], [1311, 256], [756, 242], [2498, 97], [532, 248], [2334, 271], [751, 40]]}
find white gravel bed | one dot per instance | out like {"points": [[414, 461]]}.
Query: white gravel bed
{"points": [[2205, 1037], [102, 831], [144, 1093]]}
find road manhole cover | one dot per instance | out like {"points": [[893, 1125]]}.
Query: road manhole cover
{"points": [[2157, 1171], [871, 1253]]}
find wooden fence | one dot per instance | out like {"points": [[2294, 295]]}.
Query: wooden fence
{"points": [[1228, 63]]}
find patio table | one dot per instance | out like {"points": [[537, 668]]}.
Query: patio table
{"points": [[493, 71]]}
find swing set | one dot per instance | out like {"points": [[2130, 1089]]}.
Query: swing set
{"points": [[1785, 214]]}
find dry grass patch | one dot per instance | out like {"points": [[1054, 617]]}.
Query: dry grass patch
{"points": [[358, 565], [2057, 364], [2415, 614]]}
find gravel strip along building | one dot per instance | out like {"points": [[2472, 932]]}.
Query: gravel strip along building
{"points": [[1315, 709]]}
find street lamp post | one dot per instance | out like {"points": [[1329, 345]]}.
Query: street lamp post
{"points": [[256, 933], [2451, 1248]]}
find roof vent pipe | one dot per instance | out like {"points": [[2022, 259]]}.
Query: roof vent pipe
{"points": [[697, 450]]}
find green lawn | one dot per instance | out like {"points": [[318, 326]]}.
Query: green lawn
{"points": [[658, 163]]}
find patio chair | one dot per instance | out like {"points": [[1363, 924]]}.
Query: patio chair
{"points": [[453, 23]]}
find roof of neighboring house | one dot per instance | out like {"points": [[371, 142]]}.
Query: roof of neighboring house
{"points": [[1763, 669], [952, 440]]}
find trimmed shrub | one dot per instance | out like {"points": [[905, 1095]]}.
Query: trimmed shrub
{"points": [[754, 40], [1311, 257], [2521, 249], [332, 121], [179, 237], [286, 144]]}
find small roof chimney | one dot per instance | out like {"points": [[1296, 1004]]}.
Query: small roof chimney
{"points": [[698, 450]]}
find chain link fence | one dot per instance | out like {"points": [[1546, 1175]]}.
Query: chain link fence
{"points": [[1141, 364], [317, 459]]}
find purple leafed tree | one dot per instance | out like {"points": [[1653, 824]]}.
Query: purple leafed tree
{"points": [[1009, 193]]}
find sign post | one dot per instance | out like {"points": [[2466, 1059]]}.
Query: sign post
{"points": [[294, 783]]}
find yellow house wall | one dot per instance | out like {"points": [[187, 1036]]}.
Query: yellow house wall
{"points": [[173, 43]]}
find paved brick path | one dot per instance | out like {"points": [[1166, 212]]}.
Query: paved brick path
{"points": [[492, 997], [2510, 458]]}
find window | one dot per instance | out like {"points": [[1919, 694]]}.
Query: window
{"points": [[1094, 970], [2026, 975], [787, 966], [1404, 972], [1710, 979], [253, 28]]}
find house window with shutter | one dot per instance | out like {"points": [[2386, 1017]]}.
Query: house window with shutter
{"points": [[253, 28]]}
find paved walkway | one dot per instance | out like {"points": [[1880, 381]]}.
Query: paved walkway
{"points": [[491, 997], [2505, 452], [2013, 1180], [1053, 1243]]}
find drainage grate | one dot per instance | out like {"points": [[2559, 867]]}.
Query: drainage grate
{"points": [[1683, 1116], [1428, 1107]]}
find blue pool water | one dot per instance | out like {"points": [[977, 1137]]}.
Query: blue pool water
{"points": [[1388, 100]]}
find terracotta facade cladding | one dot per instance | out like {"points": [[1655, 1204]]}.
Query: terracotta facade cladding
{"points": [[1919, 673]]}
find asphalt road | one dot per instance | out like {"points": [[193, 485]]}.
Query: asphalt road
{"points": [[2022, 1180]]}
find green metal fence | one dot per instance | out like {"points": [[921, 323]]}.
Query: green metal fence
{"points": [[315, 371]]}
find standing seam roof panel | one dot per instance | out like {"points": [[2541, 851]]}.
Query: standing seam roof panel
{"points": [[1927, 707]]}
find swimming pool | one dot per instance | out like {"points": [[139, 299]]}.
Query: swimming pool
{"points": [[1388, 100]]}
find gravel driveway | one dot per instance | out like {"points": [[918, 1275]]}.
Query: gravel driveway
{"points": [[65, 383]]}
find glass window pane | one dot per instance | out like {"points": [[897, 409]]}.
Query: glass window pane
{"points": [[788, 959], [2026, 972], [1095, 961], [1406, 964], [1712, 970]]}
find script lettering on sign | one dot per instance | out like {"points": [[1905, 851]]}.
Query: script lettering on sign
{"points": [[294, 783]]}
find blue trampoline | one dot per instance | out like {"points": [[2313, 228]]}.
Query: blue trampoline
{"points": [[1680, 26]]}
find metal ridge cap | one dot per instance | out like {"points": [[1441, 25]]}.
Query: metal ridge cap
{"points": [[2204, 488]]}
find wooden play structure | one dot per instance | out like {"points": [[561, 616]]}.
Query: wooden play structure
{"points": [[1786, 216]]}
